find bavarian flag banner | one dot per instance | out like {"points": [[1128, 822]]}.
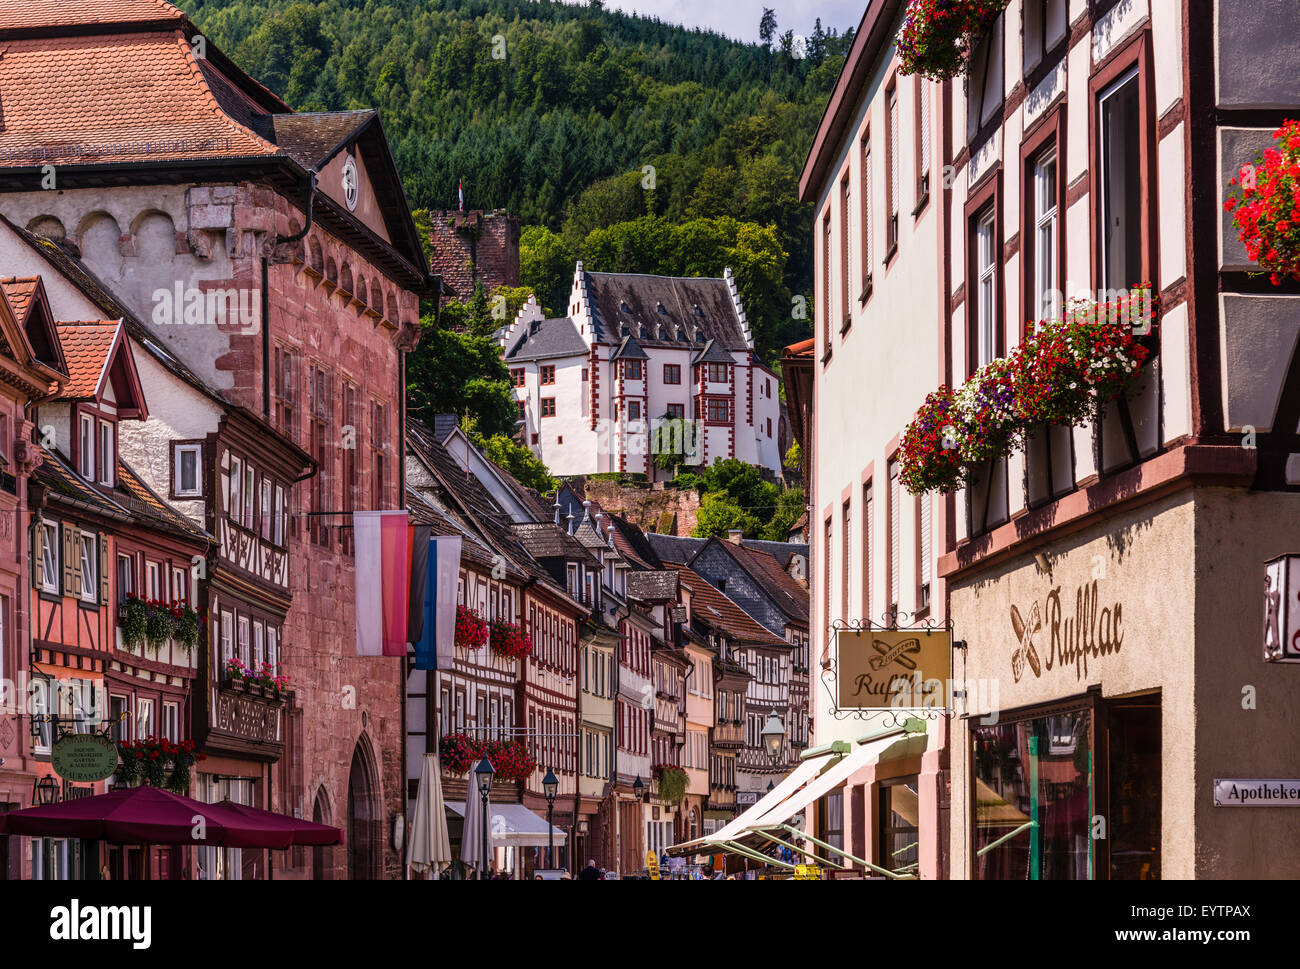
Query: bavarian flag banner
{"points": [[383, 581]]}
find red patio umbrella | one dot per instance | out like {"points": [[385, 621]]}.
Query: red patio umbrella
{"points": [[150, 815]]}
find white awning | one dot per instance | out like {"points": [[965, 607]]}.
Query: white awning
{"points": [[862, 756], [514, 824], [736, 826]]}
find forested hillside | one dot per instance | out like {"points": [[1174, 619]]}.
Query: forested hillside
{"points": [[636, 145]]}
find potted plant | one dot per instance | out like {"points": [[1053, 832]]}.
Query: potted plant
{"points": [[236, 672], [672, 782], [159, 627], [1266, 206], [938, 36], [458, 752], [511, 759], [509, 639], [188, 625]]}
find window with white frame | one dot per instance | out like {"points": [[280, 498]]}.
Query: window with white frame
{"points": [[265, 512], [171, 721], [250, 496], [1046, 237], [986, 283], [227, 636], [86, 454], [236, 488], [259, 645], [243, 640], [272, 647], [144, 718], [89, 567], [125, 577], [187, 460], [50, 557], [106, 454], [278, 534], [153, 581], [180, 591]]}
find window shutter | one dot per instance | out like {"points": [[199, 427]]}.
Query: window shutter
{"points": [[76, 561], [101, 542], [69, 556], [38, 557]]}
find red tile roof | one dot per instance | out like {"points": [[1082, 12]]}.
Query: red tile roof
{"points": [[36, 14], [115, 97], [20, 293], [804, 348], [86, 345], [717, 610]]}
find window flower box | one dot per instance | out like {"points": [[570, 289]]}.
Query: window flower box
{"points": [[157, 762], [511, 759], [509, 639], [1267, 209], [938, 36], [1063, 374]]}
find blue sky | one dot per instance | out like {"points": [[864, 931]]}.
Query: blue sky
{"points": [[739, 18]]}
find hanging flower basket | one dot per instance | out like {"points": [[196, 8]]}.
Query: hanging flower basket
{"points": [[458, 752], [938, 35], [1266, 207], [987, 406], [927, 453], [188, 625], [511, 759], [133, 620], [160, 626], [509, 639], [672, 783], [158, 762], [471, 628]]}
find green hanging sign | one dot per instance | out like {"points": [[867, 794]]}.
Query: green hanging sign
{"points": [[84, 758]]}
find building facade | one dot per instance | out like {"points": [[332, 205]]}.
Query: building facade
{"points": [[1086, 153], [284, 266], [593, 387]]}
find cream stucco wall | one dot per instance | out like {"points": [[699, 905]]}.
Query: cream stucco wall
{"points": [[1185, 576]]}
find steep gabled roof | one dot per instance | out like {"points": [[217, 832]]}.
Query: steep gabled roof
{"points": [[658, 585], [143, 504], [548, 540], [32, 17], [688, 304], [713, 353], [31, 309]]}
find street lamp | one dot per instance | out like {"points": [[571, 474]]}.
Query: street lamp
{"points": [[773, 735], [484, 774], [551, 785], [770, 785], [638, 788]]}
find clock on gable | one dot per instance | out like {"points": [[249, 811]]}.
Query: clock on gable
{"points": [[351, 183]]}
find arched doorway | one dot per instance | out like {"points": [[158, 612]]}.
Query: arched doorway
{"points": [[322, 860], [364, 838]]}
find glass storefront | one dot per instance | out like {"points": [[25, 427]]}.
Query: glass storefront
{"points": [[900, 816], [1069, 793]]}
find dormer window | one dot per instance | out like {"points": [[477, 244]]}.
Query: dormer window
{"points": [[624, 308], [660, 308], [698, 311]]}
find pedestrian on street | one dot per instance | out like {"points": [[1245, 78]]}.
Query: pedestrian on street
{"points": [[591, 873]]}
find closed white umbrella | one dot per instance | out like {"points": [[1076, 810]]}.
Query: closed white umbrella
{"points": [[428, 847], [471, 839]]}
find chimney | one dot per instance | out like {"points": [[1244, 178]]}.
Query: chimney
{"points": [[734, 535]]}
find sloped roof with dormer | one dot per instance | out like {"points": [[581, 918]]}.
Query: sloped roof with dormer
{"points": [[691, 310], [548, 339]]}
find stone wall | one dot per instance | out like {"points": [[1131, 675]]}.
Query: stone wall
{"points": [[670, 511]]}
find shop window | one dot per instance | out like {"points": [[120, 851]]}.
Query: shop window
{"points": [[898, 843], [1035, 798], [830, 818]]}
